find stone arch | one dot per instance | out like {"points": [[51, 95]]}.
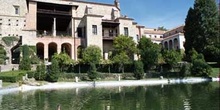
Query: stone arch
{"points": [[166, 45], [40, 50], [170, 44], [176, 44], [52, 49], [67, 48]]}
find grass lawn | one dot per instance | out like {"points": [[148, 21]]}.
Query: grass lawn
{"points": [[8, 84], [215, 72]]}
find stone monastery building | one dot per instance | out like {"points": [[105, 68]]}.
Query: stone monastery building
{"points": [[54, 26]]}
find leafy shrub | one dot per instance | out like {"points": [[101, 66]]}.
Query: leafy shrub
{"points": [[92, 73], [138, 70], [2, 51], [12, 76], [34, 59], [2, 56], [127, 76], [25, 64], [185, 70], [53, 71], [31, 74], [40, 73], [200, 68], [2, 61]]}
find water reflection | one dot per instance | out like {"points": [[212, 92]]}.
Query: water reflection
{"points": [[164, 97]]}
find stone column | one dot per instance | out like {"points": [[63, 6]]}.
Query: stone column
{"points": [[173, 44], [54, 27], [168, 45], [59, 48], [46, 51], [106, 55], [74, 52], [73, 21]]}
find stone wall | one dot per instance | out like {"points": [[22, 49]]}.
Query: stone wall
{"points": [[94, 39], [12, 23]]}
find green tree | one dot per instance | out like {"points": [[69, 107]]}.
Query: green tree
{"points": [[64, 61], [25, 63], [121, 59], [54, 72], [185, 70], [40, 73], [201, 29], [172, 57], [192, 54], [138, 70], [162, 28], [92, 73], [200, 67], [124, 49], [92, 54], [124, 44], [149, 52]]}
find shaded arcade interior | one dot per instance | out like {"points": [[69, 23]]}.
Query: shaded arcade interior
{"points": [[53, 18]]}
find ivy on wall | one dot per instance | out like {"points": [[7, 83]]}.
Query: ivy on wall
{"points": [[9, 40]]}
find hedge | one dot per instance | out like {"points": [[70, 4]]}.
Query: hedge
{"points": [[12, 76]]}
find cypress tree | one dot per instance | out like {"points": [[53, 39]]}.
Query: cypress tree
{"points": [[53, 75], [201, 28]]}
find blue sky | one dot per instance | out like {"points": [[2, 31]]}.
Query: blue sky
{"points": [[155, 13]]}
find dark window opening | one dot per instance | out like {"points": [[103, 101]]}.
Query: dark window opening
{"points": [[94, 29], [79, 32], [16, 10], [126, 31]]}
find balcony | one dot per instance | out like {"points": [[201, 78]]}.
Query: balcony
{"points": [[54, 12], [110, 23], [41, 33], [109, 37]]}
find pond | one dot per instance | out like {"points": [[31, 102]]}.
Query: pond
{"points": [[202, 96]]}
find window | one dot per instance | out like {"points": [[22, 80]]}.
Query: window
{"points": [[9, 34], [0, 34], [16, 10], [0, 19], [79, 32], [94, 29], [17, 20], [9, 19], [16, 24], [0, 23], [110, 32], [9, 24], [155, 36], [161, 36], [150, 36], [126, 31]]}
